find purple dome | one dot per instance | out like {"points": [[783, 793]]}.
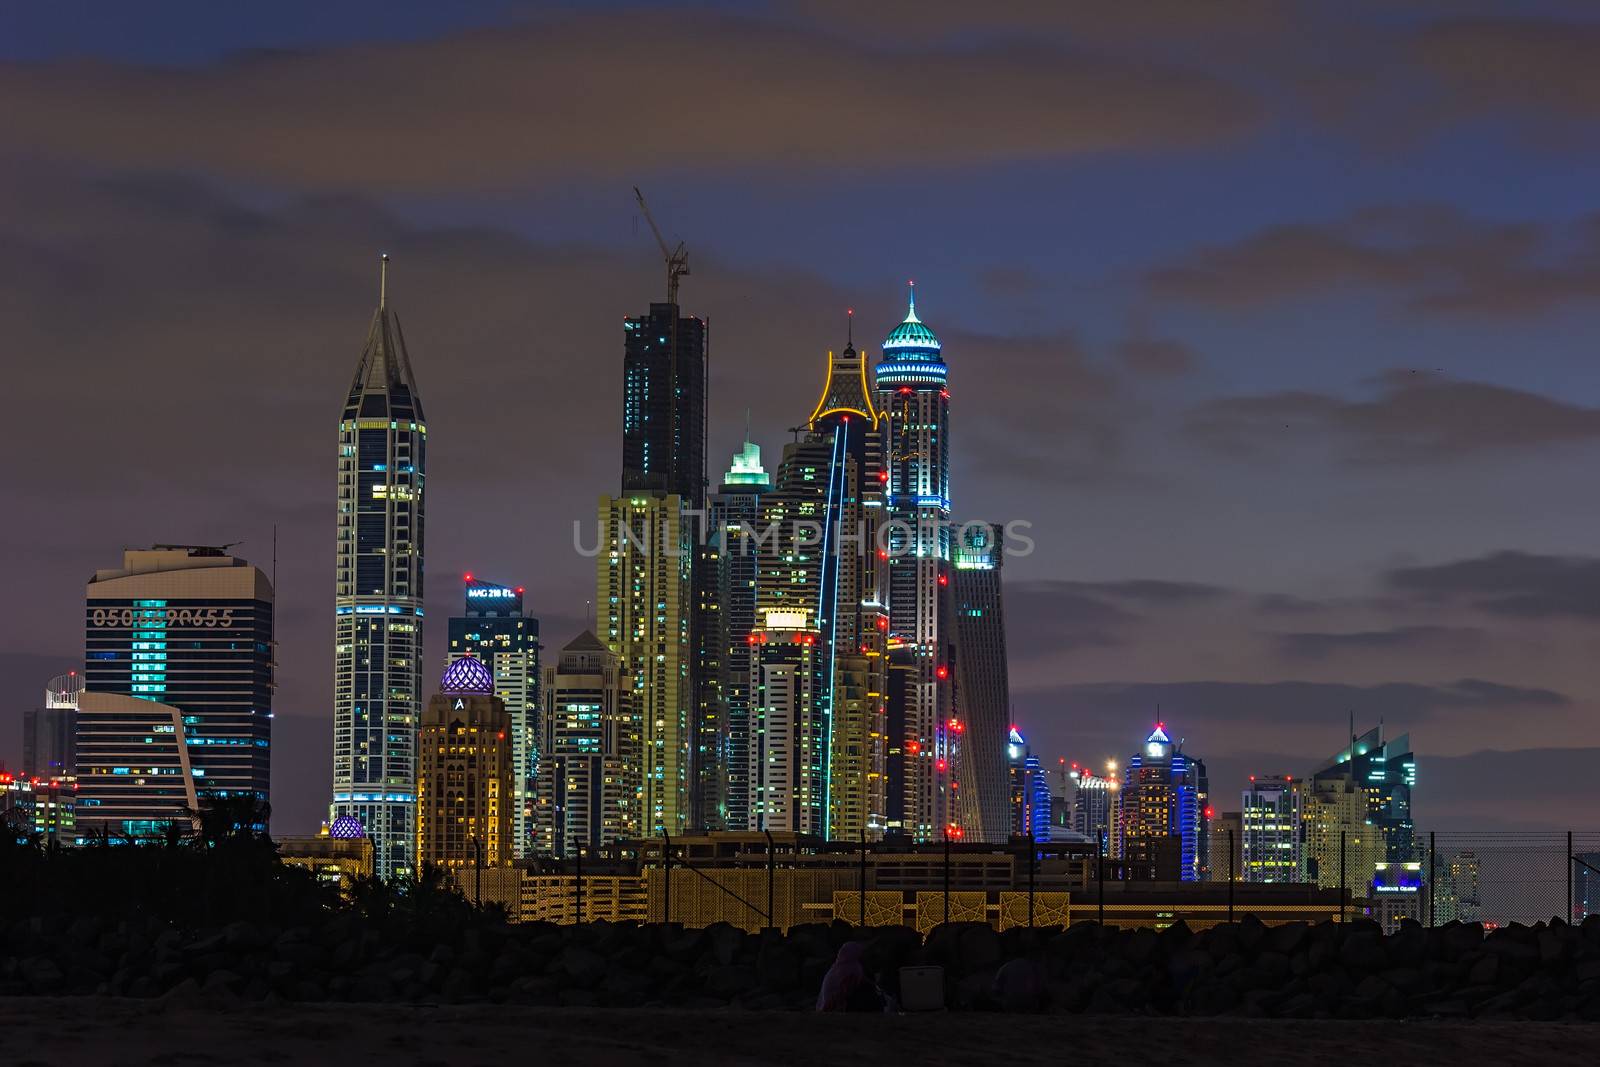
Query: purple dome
{"points": [[347, 828], [467, 675]]}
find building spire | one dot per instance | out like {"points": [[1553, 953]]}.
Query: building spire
{"points": [[383, 280], [911, 311], [850, 327]]}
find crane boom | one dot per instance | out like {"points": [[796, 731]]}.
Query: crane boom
{"points": [[676, 259]]}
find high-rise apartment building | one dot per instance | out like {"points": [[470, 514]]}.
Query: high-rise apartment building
{"points": [[1342, 847], [983, 692], [1385, 771], [1030, 790], [465, 772], [1227, 847], [731, 569], [912, 386], [818, 668], [664, 405], [643, 594], [1271, 822], [378, 552], [589, 787], [495, 629], [178, 677], [1159, 815]]}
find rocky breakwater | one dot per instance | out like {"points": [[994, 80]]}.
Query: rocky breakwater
{"points": [[1330, 970]]}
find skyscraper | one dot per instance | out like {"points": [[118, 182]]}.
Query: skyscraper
{"points": [[730, 575], [1271, 823], [378, 595], [643, 581], [588, 794], [818, 682], [496, 630], [49, 732], [1159, 818], [664, 405], [911, 381], [1385, 771], [465, 772], [179, 660], [983, 692], [1030, 790]]}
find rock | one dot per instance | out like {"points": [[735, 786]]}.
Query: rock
{"points": [[778, 967], [583, 966], [1019, 986], [979, 948], [1484, 972], [727, 981], [187, 990], [1287, 938], [1364, 951]]}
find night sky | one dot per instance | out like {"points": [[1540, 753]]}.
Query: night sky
{"points": [[1278, 325]]}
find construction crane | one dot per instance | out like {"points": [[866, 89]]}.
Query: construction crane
{"points": [[677, 259]]}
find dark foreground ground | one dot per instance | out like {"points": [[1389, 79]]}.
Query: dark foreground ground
{"points": [[100, 1030]]}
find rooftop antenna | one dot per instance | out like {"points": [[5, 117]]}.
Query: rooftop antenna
{"points": [[850, 327], [383, 280], [746, 425], [274, 559]]}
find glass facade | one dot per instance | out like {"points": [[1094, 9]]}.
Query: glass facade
{"points": [[188, 630]]}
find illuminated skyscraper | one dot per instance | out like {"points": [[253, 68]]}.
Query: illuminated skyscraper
{"points": [[818, 684], [723, 747], [589, 787], [1270, 818], [465, 772], [1385, 772], [911, 381], [1094, 805], [496, 631], [178, 669], [664, 405], [378, 602], [1159, 817], [1030, 790], [983, 692], [643, 592]]}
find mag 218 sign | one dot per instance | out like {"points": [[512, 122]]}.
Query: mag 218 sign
{"points": [[203, 617]]}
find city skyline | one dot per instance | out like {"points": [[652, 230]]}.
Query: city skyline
{"points": [[1312, 455]]}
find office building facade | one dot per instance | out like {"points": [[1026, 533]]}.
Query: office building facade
{"points": [[499, 633], [378, 613], [1272, 825], [1030, 791], [178, 682]]}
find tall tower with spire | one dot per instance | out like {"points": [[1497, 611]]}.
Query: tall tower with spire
{"points": [[378, 595], [911, 380]]}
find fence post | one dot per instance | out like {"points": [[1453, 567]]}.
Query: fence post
{"points": [[1569, 876], [666, 867], [1233, 872], [578, 881], [863, 894], [1033, 859], [947, 876], [477, 873], [1433, 903], [1344, 887], [772, 869], [1100, 875]]}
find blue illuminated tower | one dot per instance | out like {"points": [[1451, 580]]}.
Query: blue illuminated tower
{"points": [[378, 599], [1160, 812], [911, 381]]}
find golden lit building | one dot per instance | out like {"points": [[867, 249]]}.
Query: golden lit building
{"points": [[1341, 846], [338, 856], [465, 797], [644, 592]]}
